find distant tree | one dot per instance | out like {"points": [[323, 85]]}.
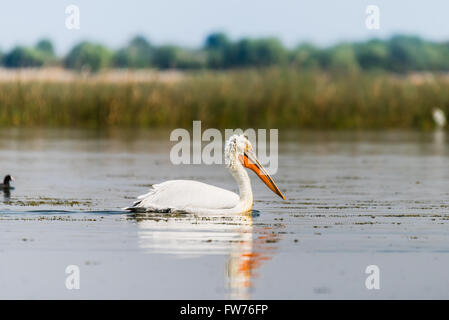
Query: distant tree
{"points": [[372, 54], [437, 56], [404, 53], [86, 54], [138, 54], [121, 59], [242, 53], [168, 57], [270, 51], [217, 40], [398, 54], [21, 57], [408, 53], [140, 42], [46, 50], [45, 46], [217, 46], [260, 53], [342, 58], [305, 56], [165, 57], [191, 59]]}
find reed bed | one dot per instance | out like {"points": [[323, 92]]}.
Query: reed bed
{"points": [[269, 98]]}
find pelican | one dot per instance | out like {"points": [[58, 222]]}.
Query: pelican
{"points": [[439, 117], [189, 196]]}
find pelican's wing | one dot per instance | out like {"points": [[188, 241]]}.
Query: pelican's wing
{"points": [[180, 194]]}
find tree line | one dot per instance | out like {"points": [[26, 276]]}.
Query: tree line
{"points": [[400, 53]]}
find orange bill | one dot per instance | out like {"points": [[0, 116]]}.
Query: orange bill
{"points": [[250, 161]]}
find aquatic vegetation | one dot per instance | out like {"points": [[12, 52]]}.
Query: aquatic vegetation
{"points": [[47, 218], [265, 98], [48, 201]]}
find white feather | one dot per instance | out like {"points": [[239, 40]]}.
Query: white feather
{"points": [[179, 195]]}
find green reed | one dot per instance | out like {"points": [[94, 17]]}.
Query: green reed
{"points": [[270, 98]]}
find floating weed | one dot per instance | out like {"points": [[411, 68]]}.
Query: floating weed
{"points": [[49, 218], [49, 201]]}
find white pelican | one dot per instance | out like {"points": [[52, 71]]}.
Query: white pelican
{"points": [[439, 117], [196, 197]]}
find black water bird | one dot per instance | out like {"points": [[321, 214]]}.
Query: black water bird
{"points": [[6, 185]]}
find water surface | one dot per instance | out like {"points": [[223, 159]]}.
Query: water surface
{"points": [[353, 200]]}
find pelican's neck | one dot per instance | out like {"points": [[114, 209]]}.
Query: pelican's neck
{"points": [[241, 177]]}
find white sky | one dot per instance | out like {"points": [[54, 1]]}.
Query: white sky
{"points": [[187, 22]]}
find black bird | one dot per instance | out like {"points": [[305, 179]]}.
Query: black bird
{"points": [[6, 183]]}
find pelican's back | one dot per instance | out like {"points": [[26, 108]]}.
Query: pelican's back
{"points": [[181, 194]]}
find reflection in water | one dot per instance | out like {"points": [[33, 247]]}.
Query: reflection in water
{"points": [[247, 246], [439, 137], [6, 195]]}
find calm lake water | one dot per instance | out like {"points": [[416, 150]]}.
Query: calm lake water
{"points": [[353, 200]]}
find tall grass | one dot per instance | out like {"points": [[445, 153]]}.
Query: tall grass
{"points": [[271, 98]]}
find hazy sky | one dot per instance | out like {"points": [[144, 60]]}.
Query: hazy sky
{"points": [[187, 22]]}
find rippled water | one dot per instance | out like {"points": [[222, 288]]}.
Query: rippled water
{"points": [[353, 200]]}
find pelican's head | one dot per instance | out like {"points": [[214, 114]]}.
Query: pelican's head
{"points": [[239, 151]]}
